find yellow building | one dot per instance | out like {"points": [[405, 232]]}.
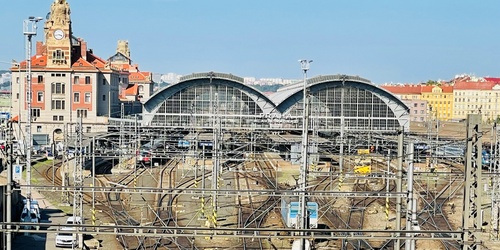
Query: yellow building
{"points": [[440, 101]]}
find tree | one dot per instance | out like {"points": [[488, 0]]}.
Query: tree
{"points": [[432, 83]]}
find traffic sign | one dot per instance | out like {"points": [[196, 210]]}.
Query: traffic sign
{"points": [[18, 173]]}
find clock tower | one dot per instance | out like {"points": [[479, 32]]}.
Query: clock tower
{"points": [[58, 35]]}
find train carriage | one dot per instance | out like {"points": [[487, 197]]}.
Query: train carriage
{"points": [[290, 211]]}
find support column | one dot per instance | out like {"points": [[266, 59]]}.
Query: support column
{"points": [[472, 221]]}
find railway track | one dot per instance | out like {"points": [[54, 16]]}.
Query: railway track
{"points": [[254, 213], [109, 203]]}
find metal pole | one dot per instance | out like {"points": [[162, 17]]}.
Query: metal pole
{"points": [[411, 214], [29, 32], [305, 148], [53, 160], [9, 188], [399, 188], [93, 182]]}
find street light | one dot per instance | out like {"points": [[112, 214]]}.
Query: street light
{"points": [[304, 64], [29, 32]]}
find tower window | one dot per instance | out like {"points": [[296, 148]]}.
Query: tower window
{"points": [[58, 55]]}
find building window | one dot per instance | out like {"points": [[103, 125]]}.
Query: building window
{"points": [[141, 88], [58, 88], [89, 129], [87, 97], [40, 79], [17, 80], [58, 54], [81, 113], [87, 80], [76, 80], [35, 112], [17, 96], [54, 118], [38, 129], [76, 97], [104, 81], [39, 97], [104, 97], [58, 104], [61, 118]]}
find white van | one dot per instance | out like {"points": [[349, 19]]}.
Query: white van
{"points": [[31, 215]]}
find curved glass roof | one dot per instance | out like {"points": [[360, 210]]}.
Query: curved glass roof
{"points": [[202, 98]]}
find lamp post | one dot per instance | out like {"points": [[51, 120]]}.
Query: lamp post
{"points": [[55, 157], [29, 32], [304, 64]]}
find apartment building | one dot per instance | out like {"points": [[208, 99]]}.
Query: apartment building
{"points": [[440, 101], [477, 95], [411, 95]]}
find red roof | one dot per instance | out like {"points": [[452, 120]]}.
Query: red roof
{"points": [[132, 90], [36, 60], [403, 89], [444, 88], [82, 63], [462, 85], [492, 79]]}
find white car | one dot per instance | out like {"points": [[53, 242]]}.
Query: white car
{"points": [[66, 237], [74, 220]]}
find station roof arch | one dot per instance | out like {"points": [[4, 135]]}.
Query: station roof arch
{"points": [[290, 96], [206, 79]]}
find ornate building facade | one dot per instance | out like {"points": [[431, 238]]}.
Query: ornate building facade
{"points": [[69, 82]]}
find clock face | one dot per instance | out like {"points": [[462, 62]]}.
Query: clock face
{"points": [[58, 34]]}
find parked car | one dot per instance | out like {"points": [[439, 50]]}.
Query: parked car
{"points": [[66, 238]]}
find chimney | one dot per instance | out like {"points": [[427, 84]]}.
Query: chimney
{"points": [[83, 49], [40, 48]]}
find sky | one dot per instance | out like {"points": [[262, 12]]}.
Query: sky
{"points": [[384, 41]]}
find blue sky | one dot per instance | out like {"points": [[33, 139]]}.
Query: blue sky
{"points": [[380, 40]]}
